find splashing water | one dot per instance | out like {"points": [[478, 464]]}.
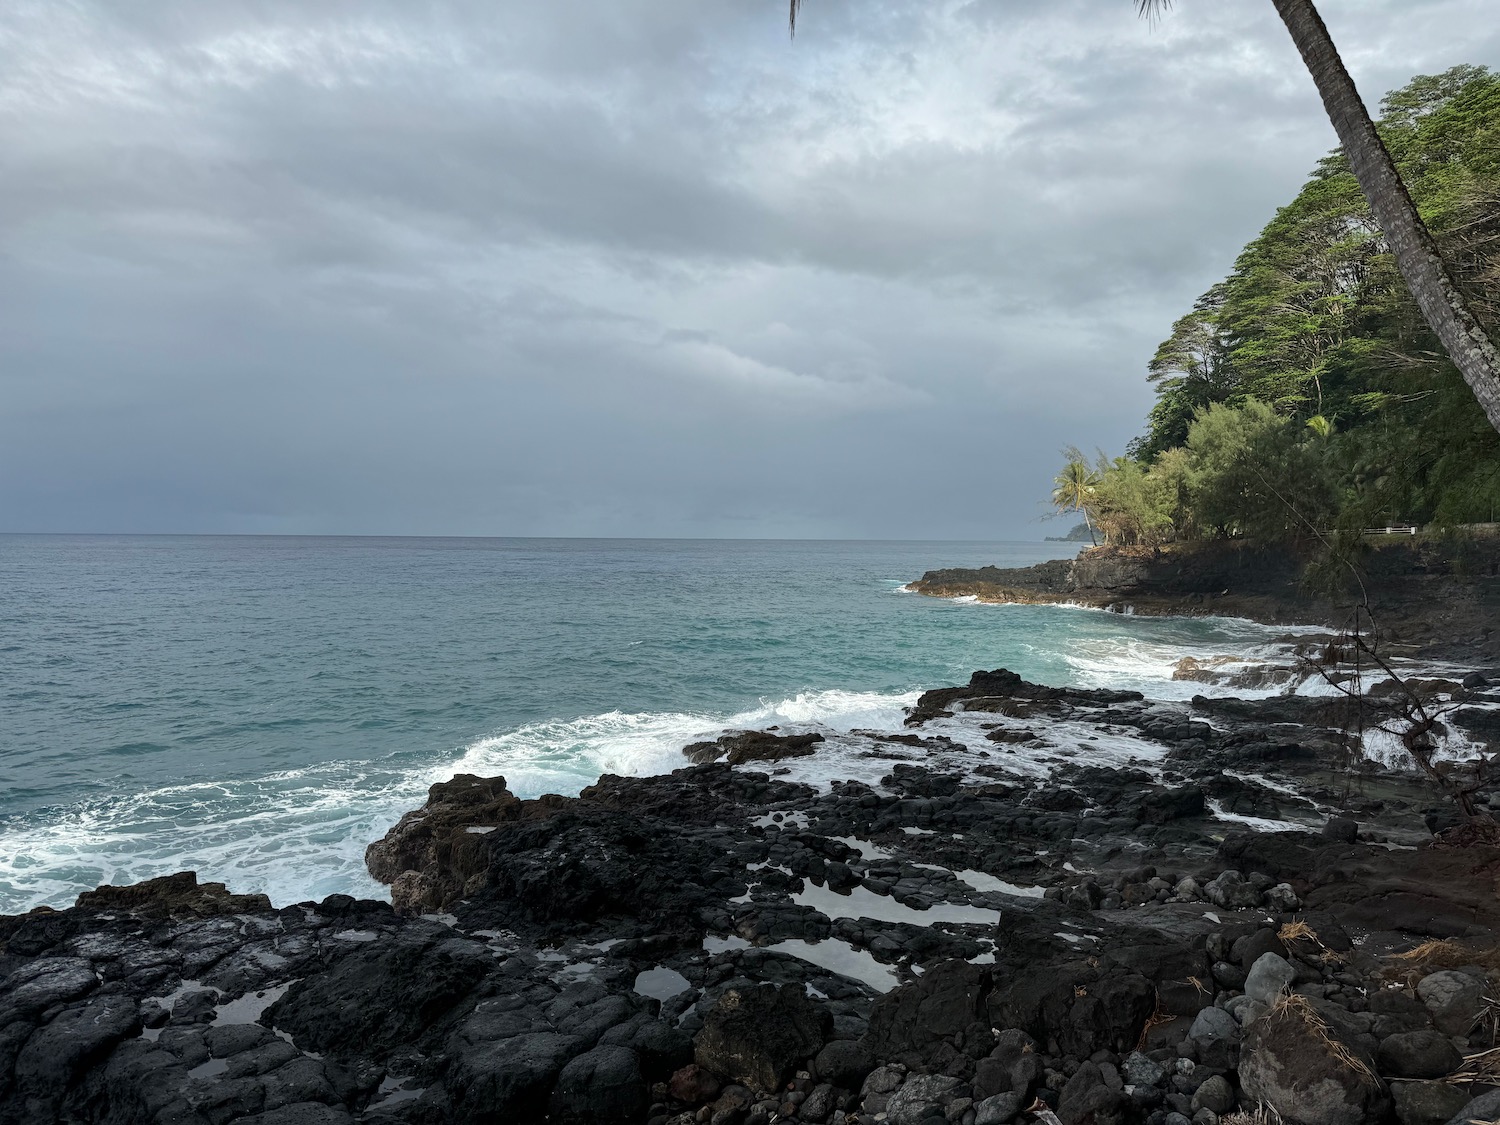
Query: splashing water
{"points": [[259, 710]]}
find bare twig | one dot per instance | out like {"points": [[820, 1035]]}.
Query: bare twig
{"points": [[1420, 722]]}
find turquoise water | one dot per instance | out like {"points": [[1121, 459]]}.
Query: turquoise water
{"points": [[261, 708]]}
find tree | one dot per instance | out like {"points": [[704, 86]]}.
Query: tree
{"points": [[1251, 473], [1135, 504], [1422, 267], [1074, 487], [1191, 371], [1315, 320]]}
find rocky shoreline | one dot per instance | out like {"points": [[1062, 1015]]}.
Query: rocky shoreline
{"points": [[1431, 600], [1039, 905]]}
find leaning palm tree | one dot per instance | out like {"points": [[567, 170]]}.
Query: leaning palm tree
{"points": [[1073, 489], [1417, 257]]}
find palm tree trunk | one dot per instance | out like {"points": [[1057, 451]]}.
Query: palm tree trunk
{"points": [[1416, 253]]}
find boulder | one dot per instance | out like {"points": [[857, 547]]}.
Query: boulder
{"points": [[1269, 977], [1341, 829], [1248, 949], [1306, 1071], [742, 746], [510, 1079], [600, 1087], [758, 1036], [1215, 1095], [1427, 1103], [819, 1103], [844, 1063], [913, 1022], [1142, 1070], [1085, 1009], [299, 1081], [919, 1093], [1282, 899], [1486, 1107], [1418, 1054], [1086, 1096], [693, 1085], [1454, 999], [590, 867], [661, 1047], [999, 1109], [1231, 892], [1214, 1023]]}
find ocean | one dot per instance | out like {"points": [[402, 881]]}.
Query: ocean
{"points": [[260, 708]]}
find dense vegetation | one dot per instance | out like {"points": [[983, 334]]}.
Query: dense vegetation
{"points": [[1305, 392]]}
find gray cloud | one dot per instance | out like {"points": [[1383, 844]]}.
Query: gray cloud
{"points": [[622, 268]]}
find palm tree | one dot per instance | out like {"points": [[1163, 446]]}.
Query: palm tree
{"points": [[1412, 244], [1073, 488]]}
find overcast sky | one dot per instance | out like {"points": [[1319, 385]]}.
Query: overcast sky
{"points": [[624, 267]]}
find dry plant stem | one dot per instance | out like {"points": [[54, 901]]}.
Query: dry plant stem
{"points": [[1262, 1115], [1292, 1006], [1481, 1067], [1420, 722]]}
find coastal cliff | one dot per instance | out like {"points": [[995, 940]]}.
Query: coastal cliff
{"points": [[1427, 597], [1046, 904]]}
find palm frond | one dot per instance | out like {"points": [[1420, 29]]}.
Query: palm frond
{"points": [[792, 17], [1151, 9]]}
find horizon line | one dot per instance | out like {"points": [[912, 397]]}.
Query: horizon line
{"points": [[584, 538]]}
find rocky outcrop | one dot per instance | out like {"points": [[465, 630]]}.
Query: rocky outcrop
{"points": [[759, 1036], [962, 941], [1196, 579], [173, 896], [433, 853], [741, 746], [1428, 596]]}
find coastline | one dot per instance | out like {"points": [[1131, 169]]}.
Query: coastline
{"points": [[1093, 875], [1426, 603]]}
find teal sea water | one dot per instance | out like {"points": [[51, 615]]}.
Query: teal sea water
{"points": [[260, 708]]}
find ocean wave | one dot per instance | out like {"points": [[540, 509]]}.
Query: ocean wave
{"points": [[299, 834]]}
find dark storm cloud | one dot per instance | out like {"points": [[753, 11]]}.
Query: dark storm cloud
{"points": [[615, 268]]}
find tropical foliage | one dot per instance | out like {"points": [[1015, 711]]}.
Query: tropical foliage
{"points": [[1306, 390]]}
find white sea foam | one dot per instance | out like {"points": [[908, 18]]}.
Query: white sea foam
{"points": [[1387, 749], [1147, 666], [301, 834]]}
